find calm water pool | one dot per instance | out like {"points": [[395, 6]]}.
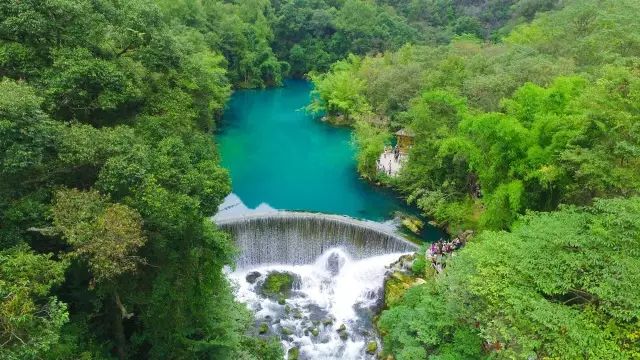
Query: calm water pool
{"points": [[279, 155]]}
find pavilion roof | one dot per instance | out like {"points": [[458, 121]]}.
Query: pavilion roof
{"points": [[405, 132]]}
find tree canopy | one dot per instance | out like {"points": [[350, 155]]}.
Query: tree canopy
{"points": [[528, 123], [109, 176], [560, 285]]}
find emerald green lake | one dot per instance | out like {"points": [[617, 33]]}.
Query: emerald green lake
{"points": [[280, 156]]}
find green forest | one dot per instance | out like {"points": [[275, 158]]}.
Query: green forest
{"points": [[526, 116]]}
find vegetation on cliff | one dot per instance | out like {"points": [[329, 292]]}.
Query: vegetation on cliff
{"points": [[108, 175], [560, 285], [545, 116]]}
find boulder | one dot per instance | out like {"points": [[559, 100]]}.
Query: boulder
{"points": [[278, 285], [414, 224], [293, 353], [372, 347], [252, 277], [334, 263]]}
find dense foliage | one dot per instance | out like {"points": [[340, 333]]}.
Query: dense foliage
{"points": [[547, 115], [561, 285], [108, 175], [543, 118], [312, 34]]}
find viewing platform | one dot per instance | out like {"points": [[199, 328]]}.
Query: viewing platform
{"points": [[393, 158]]}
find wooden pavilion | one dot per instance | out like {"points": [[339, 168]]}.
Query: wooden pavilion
{"points": [[404, 140]]}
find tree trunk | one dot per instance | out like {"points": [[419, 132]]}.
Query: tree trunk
{"points": [[119, 314]]}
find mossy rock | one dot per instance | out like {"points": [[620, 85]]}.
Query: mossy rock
{"points": [[297, 314], [287, 331], [412, 223], [396, 286], [252, 277], [263, 329], [337, 120], [278, 285], [372, 347], [315, 332], [293, 353]]}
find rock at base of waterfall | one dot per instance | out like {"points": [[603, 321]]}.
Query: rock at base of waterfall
{"points": [[293, 353], [334, 263], [372, 347], [252, 277], [278, 285], [342, 332], [400, 277]]}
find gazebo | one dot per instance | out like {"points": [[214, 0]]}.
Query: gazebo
{"points": [[405, 140]]}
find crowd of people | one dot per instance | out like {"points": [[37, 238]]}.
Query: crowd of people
{"points": [[444, 247], [438, 251]]}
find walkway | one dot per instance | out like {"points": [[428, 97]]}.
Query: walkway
{"points": [[390, 162]]}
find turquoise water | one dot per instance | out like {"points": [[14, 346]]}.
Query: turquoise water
{"points": [[281, 156]]}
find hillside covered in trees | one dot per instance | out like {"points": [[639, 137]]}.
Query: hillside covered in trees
{"points": [[526, 116], [547, 115]]}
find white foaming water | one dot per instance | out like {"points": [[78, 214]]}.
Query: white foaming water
{"points": [[334, 291]]}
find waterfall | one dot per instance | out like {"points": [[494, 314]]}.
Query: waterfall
{"points": [[297, 238], [332, 293], [338, 264]]}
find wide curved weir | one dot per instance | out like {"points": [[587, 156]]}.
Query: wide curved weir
{"points": [[296, 238]]}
